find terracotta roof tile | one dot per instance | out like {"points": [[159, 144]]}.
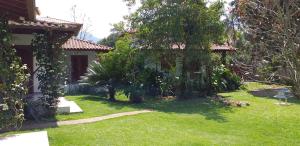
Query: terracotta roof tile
{"points": [[222, 48], [81, 45], [214, 47], [45, 24]]}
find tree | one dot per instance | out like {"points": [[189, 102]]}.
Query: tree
{"points": [[191, 25], [81, 18], [13, 81], [244, 60], [110, 40], [274, 27], [114, 67], [116, 32]]}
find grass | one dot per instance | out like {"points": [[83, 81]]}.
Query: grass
{"points": [[94, 106], [192, 122]]}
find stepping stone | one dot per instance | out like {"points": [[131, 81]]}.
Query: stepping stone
{"points": [[27, 139], [74, 108], [67, 107]]}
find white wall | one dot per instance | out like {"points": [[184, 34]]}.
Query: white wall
{"points": [[35, 80], [22, 39], [25, 40]]}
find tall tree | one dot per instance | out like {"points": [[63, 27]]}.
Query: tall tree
{"points": [[190, 25], [274, 26], [117, 31], [114, 66]]}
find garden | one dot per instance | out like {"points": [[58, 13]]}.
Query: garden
{"points": [[162, 63], [196, 121]]}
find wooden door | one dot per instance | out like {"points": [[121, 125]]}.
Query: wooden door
{"points": [[79, 65]]}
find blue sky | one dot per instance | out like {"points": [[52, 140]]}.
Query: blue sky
{"points": [[100, 13]]}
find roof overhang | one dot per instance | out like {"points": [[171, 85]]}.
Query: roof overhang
{"points": [[40, 26], [74, 44]]}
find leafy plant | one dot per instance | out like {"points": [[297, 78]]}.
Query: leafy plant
{"points": [[50, 60], [13, 81], [115, 67], [224, 79]]}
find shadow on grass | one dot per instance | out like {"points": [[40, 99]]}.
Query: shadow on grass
{"points": [[201, 106], [270, 93]]}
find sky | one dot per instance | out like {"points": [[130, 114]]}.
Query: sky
{"points": [[100, 14]]}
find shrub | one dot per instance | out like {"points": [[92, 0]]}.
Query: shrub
{"points": [[115, 67], [224, 80], [49, 56], [135, 93], [13, 81]]}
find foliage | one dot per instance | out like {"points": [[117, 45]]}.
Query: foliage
{"points": [[118, 31], [114, 68], [110, 40], [135, 92], [13, 81], [224, 79], [188, 24], [273, 26], [50, 64]]}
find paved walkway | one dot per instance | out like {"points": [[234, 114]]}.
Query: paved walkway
{"points": [[26, 139], [82, 121]]}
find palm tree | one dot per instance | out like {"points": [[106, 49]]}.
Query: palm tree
{"points": [[99, 76]]}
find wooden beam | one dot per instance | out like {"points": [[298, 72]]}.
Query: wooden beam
{"points": [[31, 10], [13, 8], [18, 6], [11, 13]]}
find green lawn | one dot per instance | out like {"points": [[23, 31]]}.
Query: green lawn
{"points": [[190, 122], [94, 106]]}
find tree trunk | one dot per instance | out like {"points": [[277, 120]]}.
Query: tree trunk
{"points": [[182, 88], [111, 92]]}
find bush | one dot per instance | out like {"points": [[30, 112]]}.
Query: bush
{"points": [[135, 93], [224, 80], [13, 81], [50, 74], [84, 88], [115, 67]]}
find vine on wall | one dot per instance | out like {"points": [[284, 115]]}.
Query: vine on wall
{"points": [[13, 81], [50, 62]]}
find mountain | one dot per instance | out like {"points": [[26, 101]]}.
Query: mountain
{"points": [[89, 37]]}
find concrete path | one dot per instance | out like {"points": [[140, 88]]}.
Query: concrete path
{"points": [[26, 139], [82, 121]]}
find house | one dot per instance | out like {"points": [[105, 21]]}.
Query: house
{"points": [[164, 62], [80, 54], [23, 23]]}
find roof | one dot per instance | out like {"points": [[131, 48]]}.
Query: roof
{"points": [[214, 48], [46, 23], [220, 48], [81, 45], [55, 20], [15, 9]]}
